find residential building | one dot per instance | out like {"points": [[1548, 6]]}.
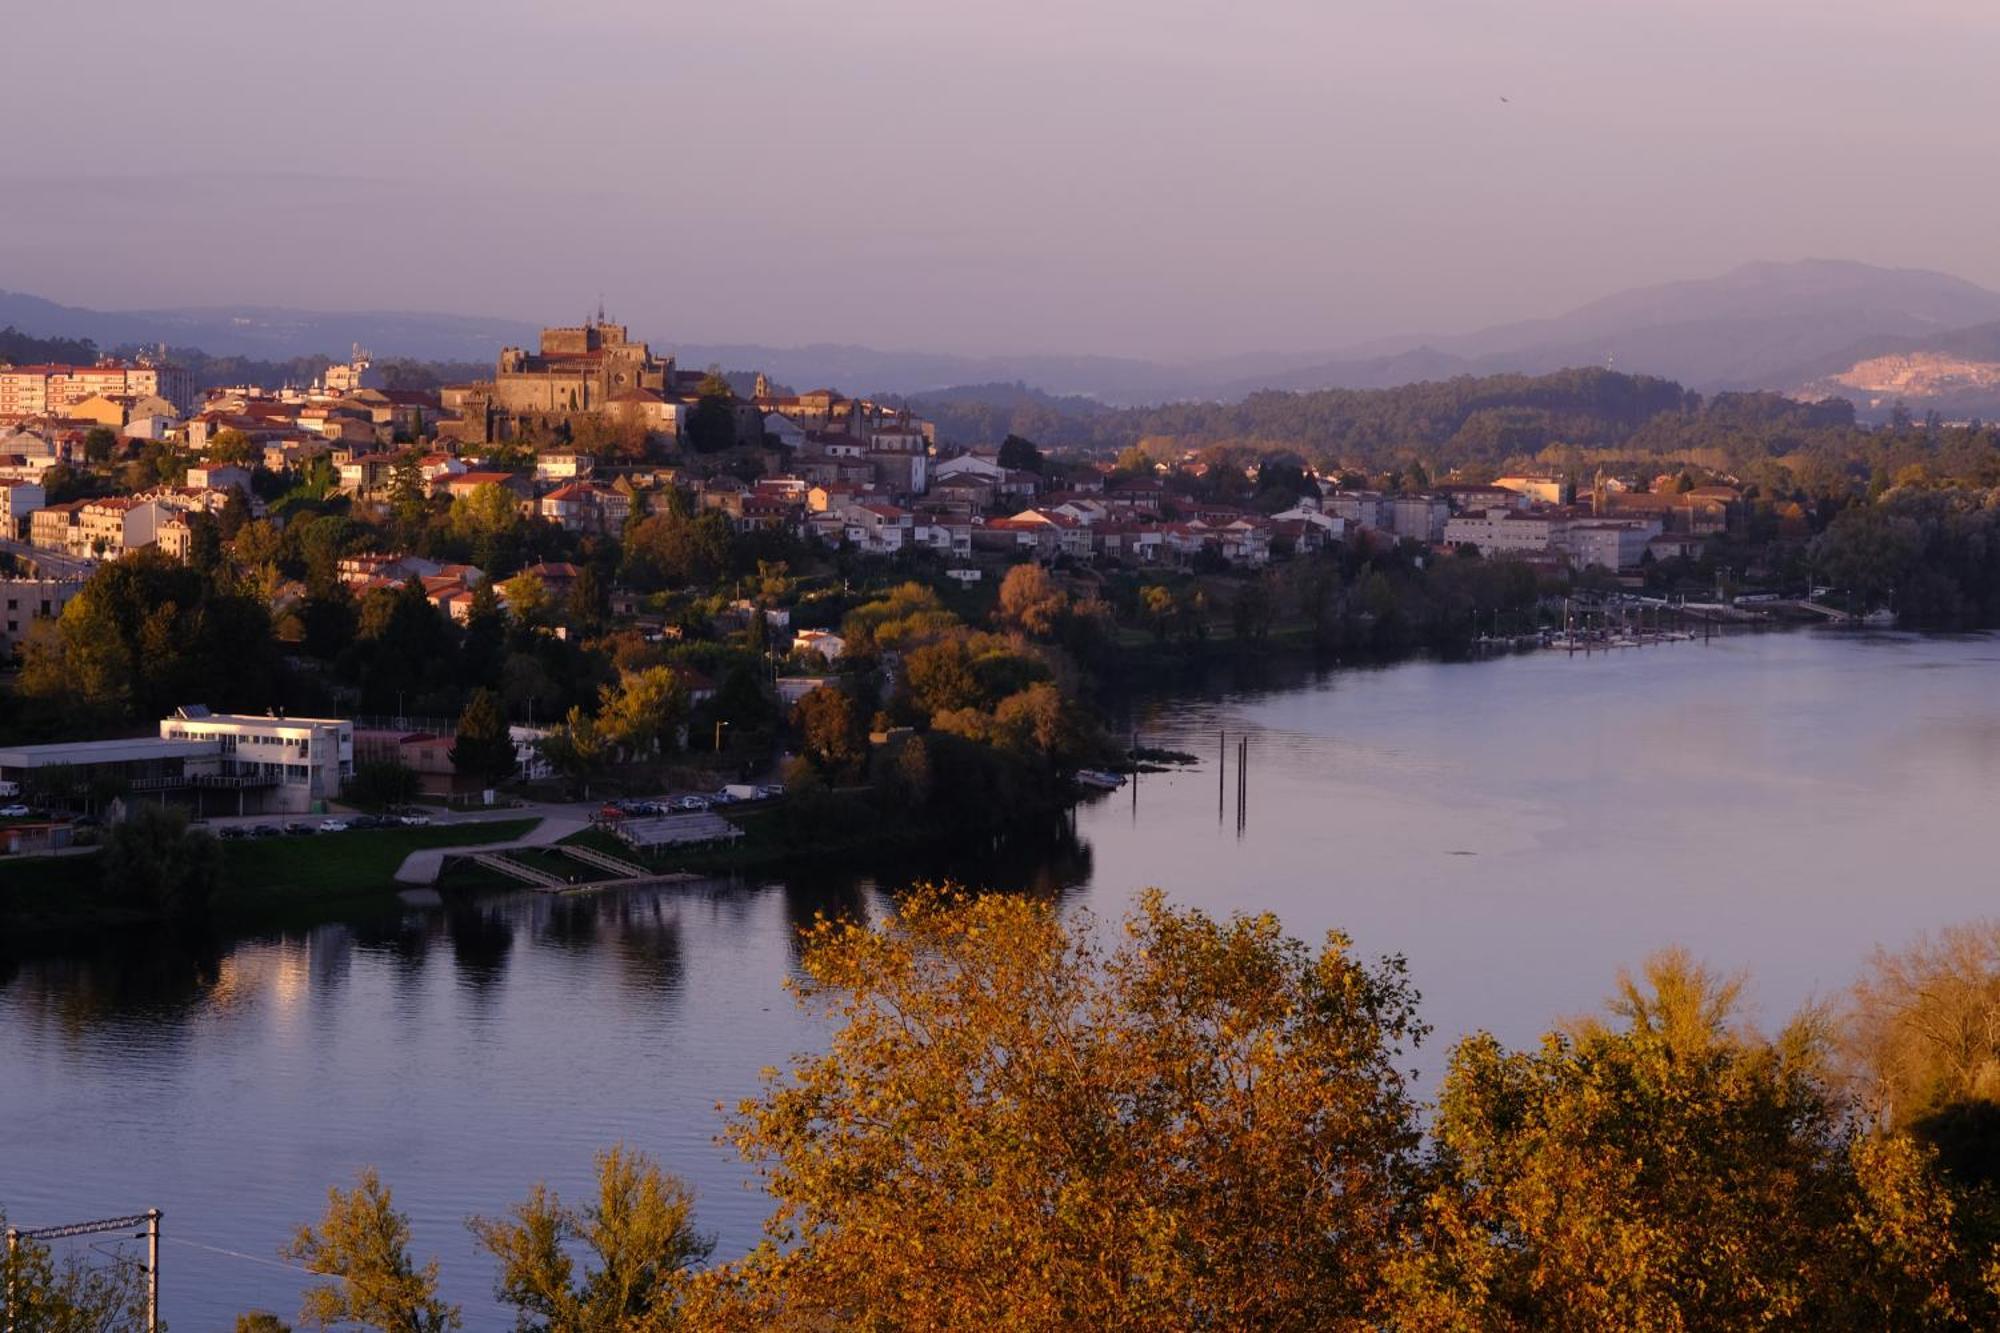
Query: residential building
{"points": [[1505, 532], [1417, 517], [18, 499], [584, 506], [1539, 487], [26, 600], [1613, 543]]}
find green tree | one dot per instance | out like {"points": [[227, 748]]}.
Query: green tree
{"points": [[204, 543], [486, 513], [640, 1239], [382, 784], [99, 444], [1020, 454], [409, 494], [155, 860], [575, 749], [482, 748], [643, 714], [528, 599], [232, 446], [711, 426], [363, 1243]]}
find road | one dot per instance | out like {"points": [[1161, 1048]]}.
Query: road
{"points": [[558, 823], [51, 564]]}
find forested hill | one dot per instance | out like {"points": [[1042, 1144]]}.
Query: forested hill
{"points": [[22, 349], [1463, 420]]}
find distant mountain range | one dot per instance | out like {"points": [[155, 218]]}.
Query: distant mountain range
{"points": [[1814, 328]]}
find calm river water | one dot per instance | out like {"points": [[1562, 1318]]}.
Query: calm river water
{"points": [[1518, 828]]}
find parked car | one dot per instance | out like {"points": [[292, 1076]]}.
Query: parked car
{"points": [[299, 827], [333, 826], [366, 821], [693, 803], [266, 831], [232, 831], [14, 812], [416, 821]]}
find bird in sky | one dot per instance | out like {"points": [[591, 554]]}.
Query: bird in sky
{"points": [[1504, 100]]}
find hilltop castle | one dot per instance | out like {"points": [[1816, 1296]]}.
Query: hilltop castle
{"points": [[593, 367]]}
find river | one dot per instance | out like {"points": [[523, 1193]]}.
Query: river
{"points": [[1518, 828]]}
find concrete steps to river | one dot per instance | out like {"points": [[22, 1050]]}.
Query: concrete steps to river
{"points": [[590, 856], [502, 864]]}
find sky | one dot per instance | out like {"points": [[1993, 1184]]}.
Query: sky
{"points": [[1165, 178]]}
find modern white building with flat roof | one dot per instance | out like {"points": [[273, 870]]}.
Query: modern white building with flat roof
{"points": [[301, 759]]}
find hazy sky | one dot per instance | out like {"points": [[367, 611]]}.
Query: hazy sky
{"points": [[1157, 177]]}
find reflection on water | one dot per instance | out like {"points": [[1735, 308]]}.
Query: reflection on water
{"points": [[1518, 828]]}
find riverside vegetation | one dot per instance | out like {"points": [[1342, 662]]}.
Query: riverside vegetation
{"points": [[1026, 1120]]}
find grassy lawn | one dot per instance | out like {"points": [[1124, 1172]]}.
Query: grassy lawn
{"points": [[259, 876], [335, 864]]}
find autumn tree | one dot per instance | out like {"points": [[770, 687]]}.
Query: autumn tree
{"points": [[1924, 1032], [1673, 1169], [639, 1240], [40, 1295], [1022, 1125], [1030, 601], [363, 1244], [829, 728]]}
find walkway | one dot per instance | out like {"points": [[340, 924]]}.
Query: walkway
{"points": [[557, 823]]}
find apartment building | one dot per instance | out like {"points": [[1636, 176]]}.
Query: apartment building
{"points": [[1505, 532], [24, 601]]}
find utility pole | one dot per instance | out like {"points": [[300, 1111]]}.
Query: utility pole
{"points": [[152, 1270], [151, 1219]]}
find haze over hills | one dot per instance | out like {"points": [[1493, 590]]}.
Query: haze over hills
{"points": [[1803, 327], [1753, 327]]}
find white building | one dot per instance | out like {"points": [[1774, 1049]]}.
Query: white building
{"points": [[1612, 543], [1420, 517], [1505, 532], [303, 759], [1363, 509]]}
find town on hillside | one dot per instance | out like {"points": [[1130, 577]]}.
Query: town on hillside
{"points": [[592, 472]]}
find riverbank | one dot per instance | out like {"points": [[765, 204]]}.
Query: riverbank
{"points": [[263, 879]]}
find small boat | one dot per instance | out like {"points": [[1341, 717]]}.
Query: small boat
{"points": [[1101, 780]]}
